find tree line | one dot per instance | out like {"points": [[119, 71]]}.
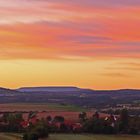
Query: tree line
{"points": [[33, 128]]}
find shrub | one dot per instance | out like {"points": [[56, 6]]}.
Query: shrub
{"points": [[30, 136]]}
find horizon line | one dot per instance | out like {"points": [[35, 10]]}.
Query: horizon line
{"points": [[69, 86]]}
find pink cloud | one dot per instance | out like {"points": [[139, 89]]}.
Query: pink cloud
{"points": [[59, 28]]}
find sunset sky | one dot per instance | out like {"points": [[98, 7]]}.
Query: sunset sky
{"points": [[85, 43]]}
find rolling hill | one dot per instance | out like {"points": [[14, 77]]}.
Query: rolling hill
{"points": [[69, 95]]}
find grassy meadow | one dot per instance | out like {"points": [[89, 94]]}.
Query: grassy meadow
{"points": [[7, 136], [39, 107], [92, 137], [10, 136]]}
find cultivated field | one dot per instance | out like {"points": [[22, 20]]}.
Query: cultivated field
{"points": [[91, 137], [38, 107], [70, 112]]}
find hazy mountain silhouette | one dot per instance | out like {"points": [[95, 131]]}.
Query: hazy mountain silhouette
{"points": [[69, 94]]}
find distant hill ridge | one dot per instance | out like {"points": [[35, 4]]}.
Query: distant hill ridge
{"points": [[69, 95], [64, 89], [49, 89], [69, 88], [6, 90]]}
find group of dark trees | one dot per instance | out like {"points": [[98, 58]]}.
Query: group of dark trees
{"points": [[34, 132], [11, 122], [120, 124], [42, 128]]}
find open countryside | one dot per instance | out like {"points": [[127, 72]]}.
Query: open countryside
{"points": [[69, 69]]}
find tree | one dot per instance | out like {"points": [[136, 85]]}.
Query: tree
{"points": [[124, 121], [96, 115], [13, 121], [49, 119], [30, 136], [83, 116], [59, 119], [39, 130], [63, 127]]}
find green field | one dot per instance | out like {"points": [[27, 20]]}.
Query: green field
{"points": [[65, 107], [40, 107], [4, 136], [92, 137]]}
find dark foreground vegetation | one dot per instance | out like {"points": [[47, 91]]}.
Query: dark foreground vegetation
{"points": [[33, 128]]}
